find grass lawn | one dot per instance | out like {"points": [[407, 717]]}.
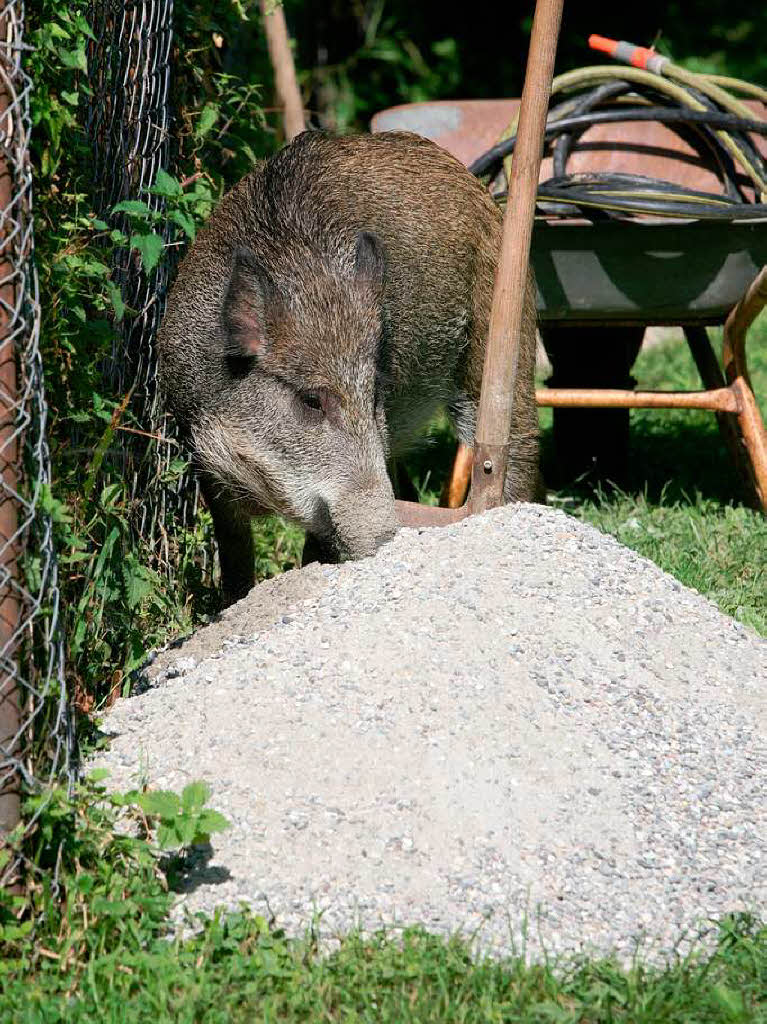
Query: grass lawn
{"points": [[237, 970]]}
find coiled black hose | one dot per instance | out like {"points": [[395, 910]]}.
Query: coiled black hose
{"points": [[605, 194]]}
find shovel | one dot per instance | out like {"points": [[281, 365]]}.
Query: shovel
{"points": [[502, 353]]}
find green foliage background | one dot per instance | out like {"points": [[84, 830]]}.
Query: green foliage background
{"points": [[361, 56], [116, 604]]}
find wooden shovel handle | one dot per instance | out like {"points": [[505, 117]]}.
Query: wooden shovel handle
{"points": [[502, 353]]}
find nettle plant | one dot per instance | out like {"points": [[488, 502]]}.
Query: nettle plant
{"points": [[185, 207], [174, 822], [98, 867], [117, 605]]}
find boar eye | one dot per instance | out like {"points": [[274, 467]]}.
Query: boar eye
{"points": [[312, 401]]}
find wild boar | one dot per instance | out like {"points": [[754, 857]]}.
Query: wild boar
{"points": [[338, 297]]}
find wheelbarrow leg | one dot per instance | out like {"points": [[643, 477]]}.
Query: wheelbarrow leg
{"points": [[712, 377], [457, 484], [736, 371], [754, 439]]}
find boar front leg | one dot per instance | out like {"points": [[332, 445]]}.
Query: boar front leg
{"points": [[234, 536], [317, 550]]}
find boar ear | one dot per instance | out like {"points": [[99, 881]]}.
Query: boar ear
{"points": [[248, 296], [369, 260]]}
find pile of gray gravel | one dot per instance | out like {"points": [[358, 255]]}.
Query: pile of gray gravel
{"points": [[511, 719]]}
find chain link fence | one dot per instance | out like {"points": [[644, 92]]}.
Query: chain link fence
{"points": [[36, 737], [130, 126]]}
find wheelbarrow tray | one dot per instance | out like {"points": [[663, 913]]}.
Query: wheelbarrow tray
{"points": [[652, 271], [644, 273]]}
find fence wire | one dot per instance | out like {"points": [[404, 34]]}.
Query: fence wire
{"points": [[36, 738], [129, 123]]}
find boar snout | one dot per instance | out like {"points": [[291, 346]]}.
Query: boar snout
{"points": [[358, 523]]}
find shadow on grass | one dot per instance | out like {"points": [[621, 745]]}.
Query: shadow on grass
{"points": [[671, 458]]}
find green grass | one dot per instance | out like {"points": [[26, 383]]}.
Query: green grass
{"points": [[236, 969]]}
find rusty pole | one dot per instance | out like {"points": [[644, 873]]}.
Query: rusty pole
{"points": [[10, 711], [281, 57]]}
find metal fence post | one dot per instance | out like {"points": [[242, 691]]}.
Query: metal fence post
{"points": [[10, 715], [36, 740]]}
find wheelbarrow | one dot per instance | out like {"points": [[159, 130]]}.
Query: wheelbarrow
{"points": [[601, 283]]}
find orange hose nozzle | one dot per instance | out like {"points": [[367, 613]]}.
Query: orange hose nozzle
{"points": [[628, 53], [602, 43]]}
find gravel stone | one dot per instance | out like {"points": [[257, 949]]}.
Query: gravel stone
{"points": [[512, 727]]}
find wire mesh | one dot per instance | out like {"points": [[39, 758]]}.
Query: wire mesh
{"points": [[130, 123], [36, 738]]}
